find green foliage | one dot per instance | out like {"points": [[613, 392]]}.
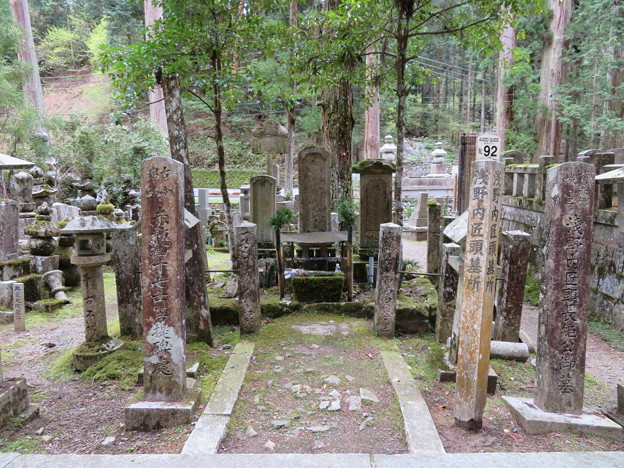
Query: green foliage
{"points": [[532, 290], [97, 39], [210, 178], [63, 50], [347, 211], [283, 217]]}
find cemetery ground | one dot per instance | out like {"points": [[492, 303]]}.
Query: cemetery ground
{"points": [[299, 363]]}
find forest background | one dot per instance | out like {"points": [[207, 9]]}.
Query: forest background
{"points": [[315, 67]]}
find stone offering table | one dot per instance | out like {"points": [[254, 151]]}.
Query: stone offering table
{"points": [[91, 256]]}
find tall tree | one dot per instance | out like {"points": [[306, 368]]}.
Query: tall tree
{"points": [[337, 120], [504, 92], [156, 98], [547, 122], [26, 54]]}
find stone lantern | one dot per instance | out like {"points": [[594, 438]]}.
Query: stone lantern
{"points": [[269, 137], [389, 150], [245, 197], [90, 232], [437, 159]]}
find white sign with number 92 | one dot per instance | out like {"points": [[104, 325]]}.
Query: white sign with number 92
{"points": [[488, 146]]}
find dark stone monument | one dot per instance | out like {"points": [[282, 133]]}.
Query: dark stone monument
{"points": [[248, 279], [127, 265], [314, 190]]}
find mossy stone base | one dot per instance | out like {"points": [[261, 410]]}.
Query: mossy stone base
{"points": [[155, 415], [87, 354], [33, 287], [312, 289], [49, 305]]}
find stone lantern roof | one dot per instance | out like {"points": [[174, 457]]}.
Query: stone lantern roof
{"points": [[88, 225]]}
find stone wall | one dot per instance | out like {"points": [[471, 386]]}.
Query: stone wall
{"points": [[607, 280]]}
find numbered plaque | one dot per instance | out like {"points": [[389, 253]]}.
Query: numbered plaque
{"points": [[489, 146]]}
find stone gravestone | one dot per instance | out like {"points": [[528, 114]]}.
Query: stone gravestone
{"points": [[314, 190], [375, 200], [19, 308], [510, 294], [263, 206], [568, 213], [127, 265], [248, 279], [479, 284], [387, 279], [9, 229], [447, 292], [162, 266]]}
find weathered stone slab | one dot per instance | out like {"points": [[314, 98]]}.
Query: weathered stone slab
{"points": [[509, 351], [154, 415], [420, 431], [447, 294], [248, 278], [533, 420], [225, 393], [162, 261], [314, 190], [263, 206], [478, 288], [19, 307], [510, 294], [467, 154], [9, 229], [458, 229], [387, 279], [127, 265], [562, 332]]}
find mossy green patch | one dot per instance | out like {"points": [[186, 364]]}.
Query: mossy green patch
{"points": [[120, 366], [318, 288], [532, 290]]}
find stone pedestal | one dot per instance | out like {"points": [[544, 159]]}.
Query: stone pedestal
{"points": [[387, 279], [248, 279], [478, 288]]}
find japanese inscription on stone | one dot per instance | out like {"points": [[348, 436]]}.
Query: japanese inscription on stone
{"points": [[563, 318], [19, 309], [162, 260], [479, 282]]}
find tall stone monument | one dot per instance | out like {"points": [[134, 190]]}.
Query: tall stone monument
{"points": [[467, 154], [387, 279], [314, 190], [248, 279], [263, 206], [562, 332], [166, 401], [375, 201], [479, 284]]}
